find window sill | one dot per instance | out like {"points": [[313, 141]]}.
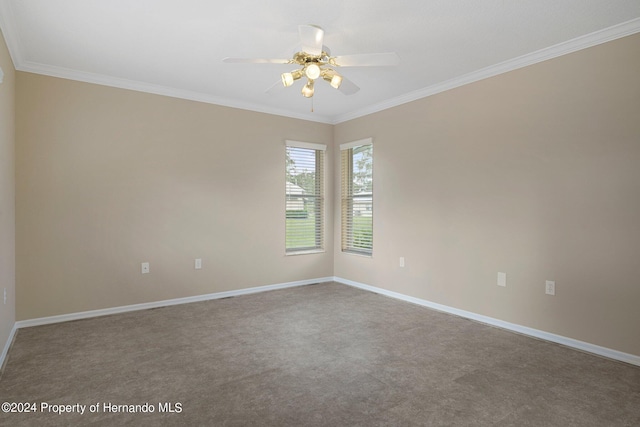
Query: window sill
{"points": [[307, 252], [362, 254]]}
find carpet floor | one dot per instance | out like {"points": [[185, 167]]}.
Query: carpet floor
{"points": [[317, 355]]}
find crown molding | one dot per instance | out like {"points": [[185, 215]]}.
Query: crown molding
{"points": [[13, 43], [138, 86], [10, 33], [593, 39]]}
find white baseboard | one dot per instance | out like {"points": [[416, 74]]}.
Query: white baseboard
{"points": [[144, 306], [7, 346], [569, 342], [559, 339]]}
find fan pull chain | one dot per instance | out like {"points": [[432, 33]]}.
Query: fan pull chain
{"points": [[312, 104]]}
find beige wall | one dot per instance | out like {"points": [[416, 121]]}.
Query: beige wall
{"points": [[109, 178], [535, 173], [7, 196]]}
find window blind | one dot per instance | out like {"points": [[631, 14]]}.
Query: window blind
{"points": [[357, 196], [304, 194]]}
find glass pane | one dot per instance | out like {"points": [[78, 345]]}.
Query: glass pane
{"points": [[357, 199], [304, 201]]}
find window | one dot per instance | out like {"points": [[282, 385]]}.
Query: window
{"points": [[357, 196], [304, 194]]}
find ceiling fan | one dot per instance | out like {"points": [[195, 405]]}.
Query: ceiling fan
{"points": [[316, 62]]}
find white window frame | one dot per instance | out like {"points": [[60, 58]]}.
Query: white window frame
{"points": [[318, 248], [347, 200]]}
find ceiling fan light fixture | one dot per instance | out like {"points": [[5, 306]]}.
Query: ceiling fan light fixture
{"points": [[314, 61], [312, 71], [289, 78], [334, 79], [307, 90]]}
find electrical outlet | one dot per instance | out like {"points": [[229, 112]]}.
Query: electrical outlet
{"points": [[198, 263], [401, 261], [144, 267], [502, 279], [550, 287]]}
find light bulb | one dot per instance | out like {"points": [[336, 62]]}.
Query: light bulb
{"points": [[336, 81], [307, 90], [287, 79], [312, 71]]}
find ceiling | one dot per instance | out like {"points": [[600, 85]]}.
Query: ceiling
{"points": [[176, 47]]}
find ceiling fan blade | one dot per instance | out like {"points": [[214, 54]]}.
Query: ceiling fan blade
{"points": [[275, 88], [348, 87], [311, 37], [367, 60], [231, 60]]}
